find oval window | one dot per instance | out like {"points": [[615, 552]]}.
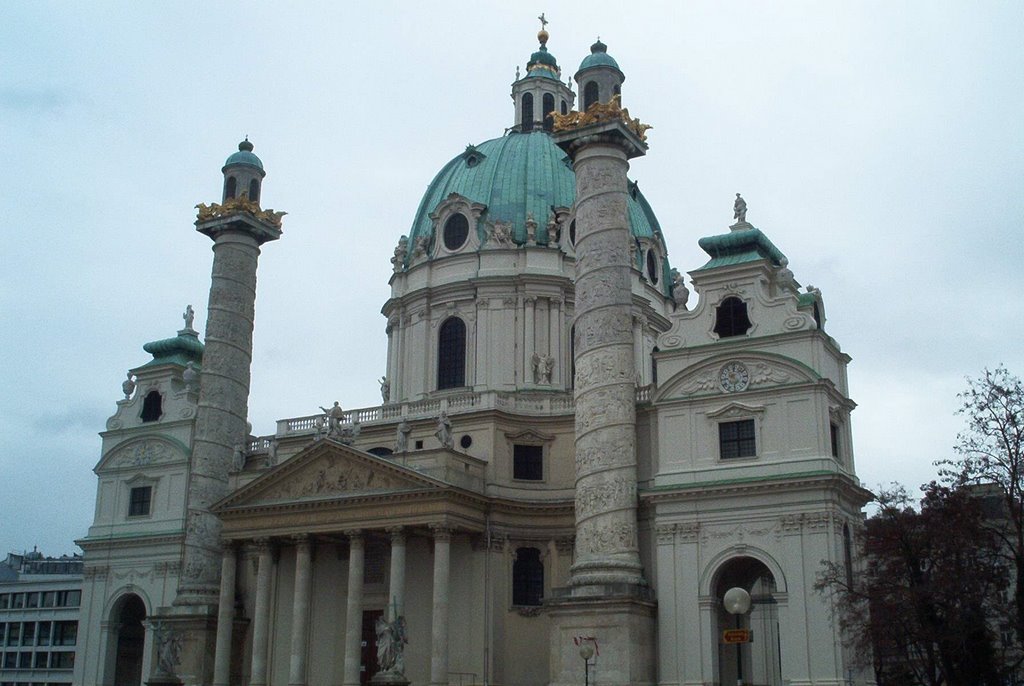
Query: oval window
{"points": [[456, 230]]}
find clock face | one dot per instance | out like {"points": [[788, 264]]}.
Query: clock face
{"points": [[734, 377]]}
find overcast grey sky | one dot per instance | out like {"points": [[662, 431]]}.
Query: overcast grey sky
{"points": [[878, 144]]}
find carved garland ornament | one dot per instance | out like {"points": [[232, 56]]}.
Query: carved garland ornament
{"points": [[599, 112], [241, 204]]}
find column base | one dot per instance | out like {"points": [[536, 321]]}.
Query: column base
{"points": [[620, 620], [197, 628]]}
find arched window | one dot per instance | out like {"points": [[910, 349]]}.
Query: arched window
{"points": [[254, 190], [230, 187], [527, 111], [654, 366], [572, 232], [527, 577], [565, 108], [152, 407], [617, 90], [731, 318], [848, 554], [549, 107], [451, 354], [652, 267], [129, 635], [589, 94]]}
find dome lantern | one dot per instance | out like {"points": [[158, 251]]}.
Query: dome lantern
{"points": [[540, 93]]}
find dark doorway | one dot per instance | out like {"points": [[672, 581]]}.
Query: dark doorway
{"points": [[130, 637], [368, 665]]}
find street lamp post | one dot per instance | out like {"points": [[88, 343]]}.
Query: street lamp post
{"points": [[586, 652], [737, 603]]}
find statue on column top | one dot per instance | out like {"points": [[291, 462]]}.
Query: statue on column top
{"points": [[391, 642]]}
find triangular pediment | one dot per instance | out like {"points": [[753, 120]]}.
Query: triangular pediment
{"points": [[329, 470]]}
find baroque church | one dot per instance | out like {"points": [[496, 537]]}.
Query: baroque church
{"points": [[579, 472]]}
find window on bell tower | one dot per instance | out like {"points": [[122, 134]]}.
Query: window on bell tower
{"points": [[527, 111], [451, 354], [254, 190], [731, 318], [549, 108], [152, 407], [230, 187], [589, 94]]}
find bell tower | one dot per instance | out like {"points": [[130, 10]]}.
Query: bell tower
{"points": [[540, 94]]}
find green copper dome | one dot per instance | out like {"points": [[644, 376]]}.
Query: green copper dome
{"points": [[244, 156], [515, 176], [182, 349], [599, 57]]}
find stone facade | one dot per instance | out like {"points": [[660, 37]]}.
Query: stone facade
{"points": [[615, 461]]}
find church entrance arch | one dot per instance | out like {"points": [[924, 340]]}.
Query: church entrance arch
{"points": [[128, 638], [761, 659]]}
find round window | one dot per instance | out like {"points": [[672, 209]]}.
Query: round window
{"points": [[466, 441], [456, 230]]}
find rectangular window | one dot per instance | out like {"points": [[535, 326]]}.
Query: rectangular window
{"points": [[25, 660], [17, 600], [62, 660], [32, 599], [43, 639], [49, 599], [65, 633], [13, 634], [5, 601], [28, 633], [833, 431], [41, 660], [736, 439], [10, 660], [72, 599], [528, 462], [139, 501]]}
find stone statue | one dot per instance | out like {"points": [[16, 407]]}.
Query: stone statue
{"points": [[402, 436], [189, 317], [680, 293], [191, 378], [334, 416], [501, 234], [391, 642], [553, 231], [128, 386], [531, 229], [536, 362], [401, 250], [385, 389], [784, 277], [545, 372], [168, 648], [238, 457], [272, 453], [444, 431], [739, 209]]}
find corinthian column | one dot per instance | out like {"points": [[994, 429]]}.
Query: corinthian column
{"points": [[225, 617], [439, 628], [300, 610], [261, 615], [354, 608]]}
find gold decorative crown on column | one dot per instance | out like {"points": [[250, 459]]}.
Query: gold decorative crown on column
{"points": [[236, 205], [598, 112]]}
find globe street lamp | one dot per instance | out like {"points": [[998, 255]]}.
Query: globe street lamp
{"points": [[737, 602], [586, 652]]}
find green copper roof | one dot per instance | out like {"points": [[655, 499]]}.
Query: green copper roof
{"points": [[599, 57], [182, 349], [543, 65], [738, 247], [514, 176], [244, 156]]}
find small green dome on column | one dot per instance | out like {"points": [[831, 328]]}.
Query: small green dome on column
{"points": [[244, 157], [599, 57]]}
